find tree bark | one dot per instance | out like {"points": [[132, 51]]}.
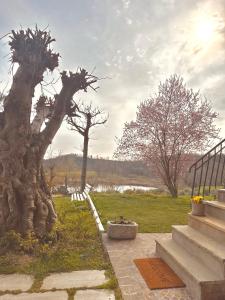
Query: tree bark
{"points": [[171, 184], [172, 189], [25, 203], [84, 162]]}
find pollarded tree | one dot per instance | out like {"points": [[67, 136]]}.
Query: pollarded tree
{"points": [[25, 199], [168, 127], [86, 118]]}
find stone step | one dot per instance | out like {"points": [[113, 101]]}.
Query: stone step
{"points": [[215, 209], [221, 195], [209, 226], [202, 283], [207, 250]]}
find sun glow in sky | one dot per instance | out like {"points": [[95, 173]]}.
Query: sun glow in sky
{"points": [[205, 29]]}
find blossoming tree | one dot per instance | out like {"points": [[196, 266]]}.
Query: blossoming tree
{"points": [[169, 126]]}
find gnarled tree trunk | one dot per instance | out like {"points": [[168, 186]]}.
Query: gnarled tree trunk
{"points": [[25, 199]]}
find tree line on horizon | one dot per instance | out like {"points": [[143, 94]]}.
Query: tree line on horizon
{"points": [[113, 172]]}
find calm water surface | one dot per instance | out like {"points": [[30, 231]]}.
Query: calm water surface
{"points": [[122, 188]]}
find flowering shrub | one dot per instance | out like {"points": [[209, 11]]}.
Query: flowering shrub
{"points": [[122, 220], [197, 199]]}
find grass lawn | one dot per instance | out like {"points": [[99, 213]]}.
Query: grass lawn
{"points": [[153, 212], [77, 247]]}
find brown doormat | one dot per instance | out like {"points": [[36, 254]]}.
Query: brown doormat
{"points": [[157, 274]]}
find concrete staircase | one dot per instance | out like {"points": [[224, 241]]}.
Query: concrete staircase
{"points": [[196, 251]]}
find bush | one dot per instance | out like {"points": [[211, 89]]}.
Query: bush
{"points": [[11, 241], [14, 242]]}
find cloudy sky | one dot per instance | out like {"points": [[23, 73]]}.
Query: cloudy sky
{"points": [[135, 44]]}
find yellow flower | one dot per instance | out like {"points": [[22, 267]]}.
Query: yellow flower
{"points": [[197, 199]]}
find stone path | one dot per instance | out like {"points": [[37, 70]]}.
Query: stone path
{"points": [[132, 285], [94, 295], [60, 295], [76, 279], [14, 282], [60, 281]]}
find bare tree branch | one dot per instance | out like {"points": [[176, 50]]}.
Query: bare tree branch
{"points": [[44, 109], [64, 105]]}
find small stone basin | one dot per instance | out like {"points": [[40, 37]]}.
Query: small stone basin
{"points": [[122, 231]]}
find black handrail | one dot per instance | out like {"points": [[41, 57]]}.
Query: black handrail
{"points": [[208, 169]]}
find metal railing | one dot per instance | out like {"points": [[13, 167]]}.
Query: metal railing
{"points": [[209, 170]]}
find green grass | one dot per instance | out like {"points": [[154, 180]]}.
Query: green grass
{"points": [[153, 212], [78, 247]]}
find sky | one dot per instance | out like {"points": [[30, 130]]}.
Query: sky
{"points": [[133, 44]]}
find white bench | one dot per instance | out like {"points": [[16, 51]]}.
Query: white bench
{"points": [[77, 196]]}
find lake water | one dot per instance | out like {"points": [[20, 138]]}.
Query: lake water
{"points": [[118, 188], [122, 188]]}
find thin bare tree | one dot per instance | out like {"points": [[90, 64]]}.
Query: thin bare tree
{"points": [[86, 117]]}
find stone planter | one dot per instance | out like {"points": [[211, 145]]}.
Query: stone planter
{"points": [[122, 231], [197, 209]]}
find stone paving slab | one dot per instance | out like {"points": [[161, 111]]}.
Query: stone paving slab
{"points": [[75, 279], [132, 285], [94, 295], [13, 282], [60, 295]]}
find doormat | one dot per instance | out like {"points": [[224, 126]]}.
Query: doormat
{"points": [[157, 274]]}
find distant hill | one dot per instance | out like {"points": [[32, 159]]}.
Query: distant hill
{"points": [[100, 171], [111, 172]]}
